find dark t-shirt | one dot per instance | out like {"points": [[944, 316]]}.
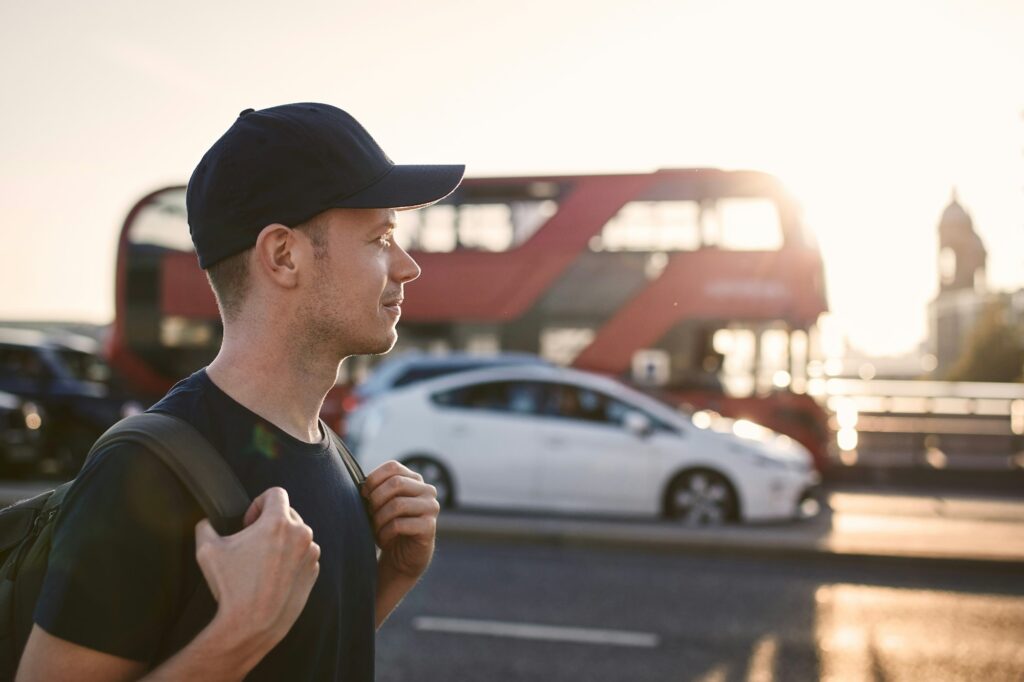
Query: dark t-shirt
{"points": [[122, 566]]}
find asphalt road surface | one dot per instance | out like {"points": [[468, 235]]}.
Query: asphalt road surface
{"points": [[527, 612]]}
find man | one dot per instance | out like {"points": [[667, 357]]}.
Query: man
{"points": [[291, 213]]}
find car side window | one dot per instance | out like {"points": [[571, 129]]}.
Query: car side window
{"points": [[575, 402], [85, 367], [585, 404], [521, 397], [20, 363]]}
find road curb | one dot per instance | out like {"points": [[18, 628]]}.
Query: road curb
{"points": [[809, 540], [769, 542]]}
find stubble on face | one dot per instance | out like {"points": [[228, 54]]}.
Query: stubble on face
{"points": [[330, 324]]}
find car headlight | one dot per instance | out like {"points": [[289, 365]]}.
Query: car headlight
{"points": [[33, 419]]}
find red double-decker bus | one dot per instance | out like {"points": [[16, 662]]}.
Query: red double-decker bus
{"points": [[701, 285]]}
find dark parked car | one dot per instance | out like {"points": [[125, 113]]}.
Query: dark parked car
{"points": [[68, 379], [21, 425]]}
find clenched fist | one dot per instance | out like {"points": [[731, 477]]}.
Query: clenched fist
{"points": [[261, 576], [404, 511]]}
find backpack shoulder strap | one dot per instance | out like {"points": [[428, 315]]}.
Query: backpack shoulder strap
{"points": [[354, 470], [192, 459]]}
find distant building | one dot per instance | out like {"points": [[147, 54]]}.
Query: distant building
{"points": [[963, 289]]}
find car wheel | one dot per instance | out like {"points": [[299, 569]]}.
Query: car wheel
{"points": [[701, 498], [436, 475]]}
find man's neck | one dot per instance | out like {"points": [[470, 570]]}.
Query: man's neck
{"points": [[272, 386]]}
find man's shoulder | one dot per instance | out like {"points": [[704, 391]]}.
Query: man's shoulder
{"points": [[118, 568], [125, 478], [186, 398]]}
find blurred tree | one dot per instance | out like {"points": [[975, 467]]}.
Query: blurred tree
{"points": [[995, 350]]}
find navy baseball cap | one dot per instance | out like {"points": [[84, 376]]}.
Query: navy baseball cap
{"points": [[288, 163]]}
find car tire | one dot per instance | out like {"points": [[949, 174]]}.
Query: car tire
{"points": [[701, 497], [434, 473]]}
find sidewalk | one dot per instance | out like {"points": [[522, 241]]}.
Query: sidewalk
{"points": [[861, 525]]}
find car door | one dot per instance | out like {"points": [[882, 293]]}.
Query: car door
{"points": [[487, 431], [591, 462]]}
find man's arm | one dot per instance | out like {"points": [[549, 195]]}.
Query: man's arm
{"points": [[404, 511], [260, 577], [215, 653]]}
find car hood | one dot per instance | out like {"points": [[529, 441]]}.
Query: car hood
{"points": [[741, 432]]}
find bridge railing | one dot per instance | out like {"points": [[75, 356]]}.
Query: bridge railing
{"points": [[937, 424]]}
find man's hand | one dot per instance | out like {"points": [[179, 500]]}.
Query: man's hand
{"points": [[261, 576], [404, 511]]}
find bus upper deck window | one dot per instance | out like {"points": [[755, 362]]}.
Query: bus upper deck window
{"points": [[748, 224]]}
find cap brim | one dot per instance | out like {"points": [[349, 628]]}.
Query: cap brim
{"points": [[407, 186]]}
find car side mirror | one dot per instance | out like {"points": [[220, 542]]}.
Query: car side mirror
{"points": [[638, 423]]}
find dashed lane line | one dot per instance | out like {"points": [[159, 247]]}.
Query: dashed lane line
{"points": [[550, 633]]}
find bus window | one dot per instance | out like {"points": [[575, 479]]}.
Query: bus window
{"points": [[800, 354], [491, 226], [738, 348], [747, 223], [738, 360], [651, 226], [432, 229], [485, 226], [162, 222], [773, 367], [561, 345]]}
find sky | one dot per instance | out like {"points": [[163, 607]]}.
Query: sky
{"points": [[870, 112]]}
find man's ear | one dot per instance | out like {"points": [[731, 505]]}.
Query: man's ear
{"points": [[278, 254]]}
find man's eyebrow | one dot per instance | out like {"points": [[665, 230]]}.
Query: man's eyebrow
{"points": [[383, 227]]}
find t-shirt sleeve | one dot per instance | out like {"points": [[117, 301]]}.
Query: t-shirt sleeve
{"points": [[116, 576]]}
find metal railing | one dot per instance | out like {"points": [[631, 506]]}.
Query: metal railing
{"points": [[937, 424]]}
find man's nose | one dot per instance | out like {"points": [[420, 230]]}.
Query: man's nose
{"points": [[404, 268]]}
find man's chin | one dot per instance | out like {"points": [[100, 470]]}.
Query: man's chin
{"points": [[385, 345]]}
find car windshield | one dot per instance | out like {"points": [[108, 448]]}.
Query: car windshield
{"points": [[85, 366]]}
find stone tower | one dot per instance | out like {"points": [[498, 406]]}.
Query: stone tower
{"points": [[962, 287], [962, 256]]}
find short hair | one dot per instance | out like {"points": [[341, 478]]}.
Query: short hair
{"points": [[229, 278]]}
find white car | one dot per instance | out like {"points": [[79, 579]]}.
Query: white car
{"points": [[554, 439]]}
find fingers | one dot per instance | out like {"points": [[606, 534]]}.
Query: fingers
{"points": [[253, 512], [255, 509], [392, 479], [401, 505], [272, 502], [205, 534], [422, 527], [424, 505], [384, 472]]}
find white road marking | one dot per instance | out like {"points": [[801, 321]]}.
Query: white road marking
{"points": [[762, 660], [550, 633]]}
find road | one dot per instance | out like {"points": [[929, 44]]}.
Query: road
{"points": [[856, 608], [489, 611]]}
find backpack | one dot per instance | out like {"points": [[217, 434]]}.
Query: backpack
{"points": [[27, 527]]}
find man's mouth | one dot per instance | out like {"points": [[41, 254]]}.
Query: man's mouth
{"points": [[394, 305]]}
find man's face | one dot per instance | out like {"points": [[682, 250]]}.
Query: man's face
{"points": [[354, 299]]}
